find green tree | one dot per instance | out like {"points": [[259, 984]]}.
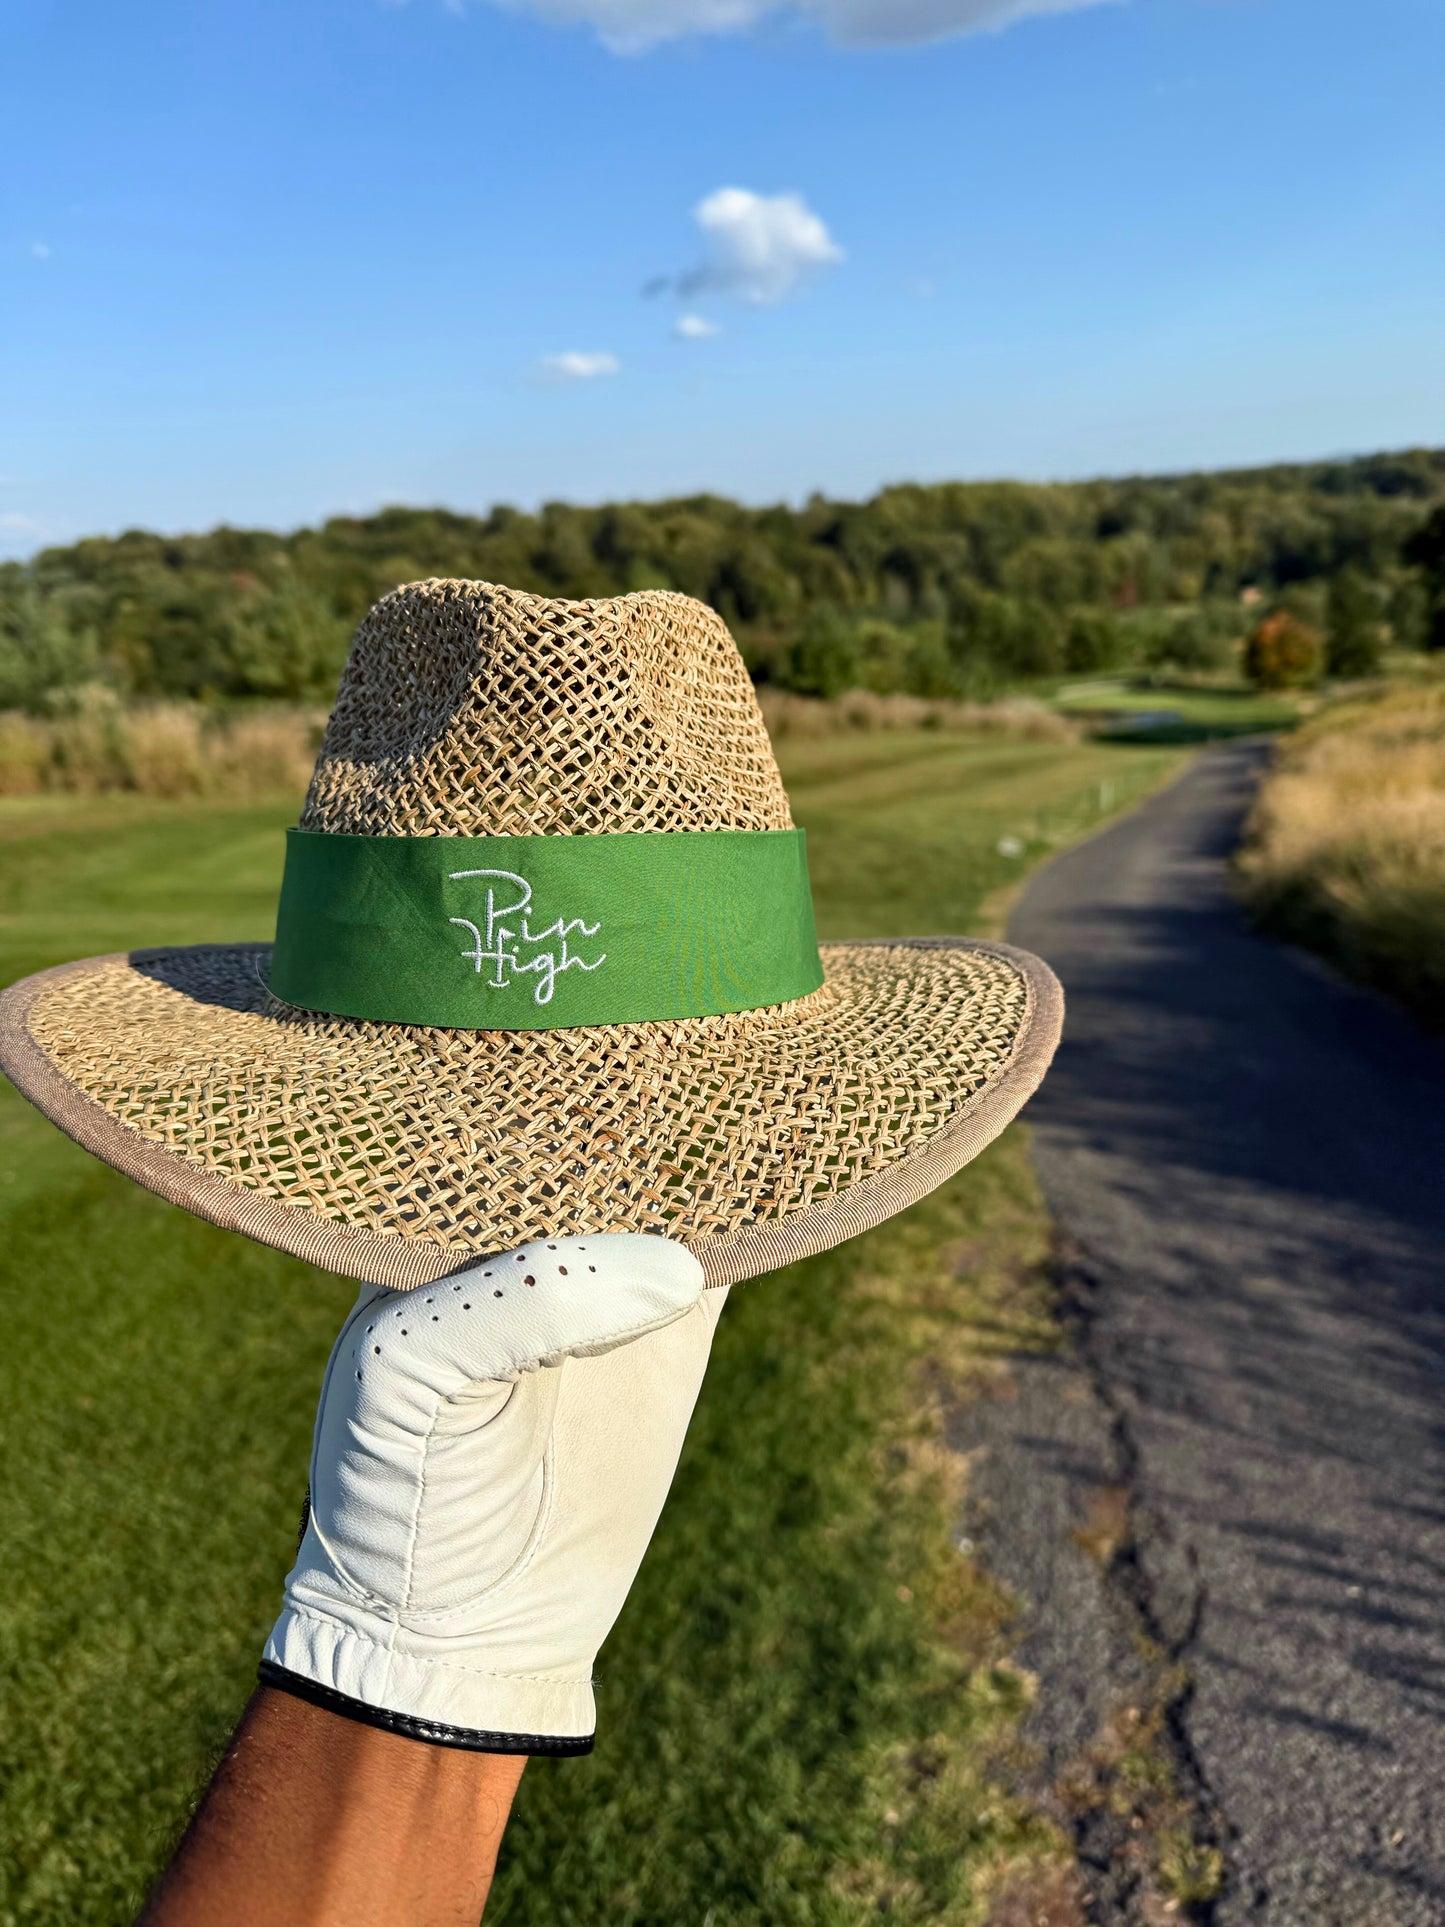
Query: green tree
{"points": [[1425, 550], [1096, 640], [999, 638], [39, 651], [1408, 612], [1352, 626], [283, 641], [883, 650], [1196, 640], [825, 659], [928, 669]]}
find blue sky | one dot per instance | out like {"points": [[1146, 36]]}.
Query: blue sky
{"points": [[268, 260]]}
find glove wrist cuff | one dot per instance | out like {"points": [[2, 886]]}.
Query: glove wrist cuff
{"points": [[432, 1732], [447, 1697]]}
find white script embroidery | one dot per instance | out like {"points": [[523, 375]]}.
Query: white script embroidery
{"points": [[494, 942]]}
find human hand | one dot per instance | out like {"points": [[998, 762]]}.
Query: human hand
{"points": [[491, 1455]]}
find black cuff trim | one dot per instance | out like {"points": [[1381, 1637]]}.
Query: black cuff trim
{"points": [[431, 1731]]}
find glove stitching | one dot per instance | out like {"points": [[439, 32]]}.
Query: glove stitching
{"points": [[426, 1445], [362, 1594], [419, 1619], [614, 1341], [388, 1609], [345, 1633]]}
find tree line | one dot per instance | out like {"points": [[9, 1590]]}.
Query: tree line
{"points": [[957, 588]]}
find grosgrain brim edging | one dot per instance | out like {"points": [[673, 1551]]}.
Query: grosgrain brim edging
{"points": [[431, 1732], [374, 1258]]}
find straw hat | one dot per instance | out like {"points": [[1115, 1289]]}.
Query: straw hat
{"points": [[627, 849]]}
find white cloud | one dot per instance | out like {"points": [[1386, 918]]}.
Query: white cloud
{"points": [[904, 23], [696, 327], [632, 26], [40, 250], [759, 246], [577, 365], [20, 534]]}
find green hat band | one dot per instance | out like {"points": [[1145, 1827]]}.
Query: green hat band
{"points": [[544, 932]]}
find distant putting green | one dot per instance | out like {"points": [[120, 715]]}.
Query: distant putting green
{"points": [[1164, 713], [801, 1705]]}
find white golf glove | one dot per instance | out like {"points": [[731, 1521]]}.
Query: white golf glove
{"points": [[491, 1455]]}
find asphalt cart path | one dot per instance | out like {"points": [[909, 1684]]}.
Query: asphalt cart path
{"points": [[1247, 1159]]}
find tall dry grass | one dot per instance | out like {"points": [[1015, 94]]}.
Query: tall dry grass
{"points": [[156, 749], [1345, 849], [1018, 717], [181, 749]]}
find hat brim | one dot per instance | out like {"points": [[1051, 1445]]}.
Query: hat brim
{"points": [[394, 1154]]}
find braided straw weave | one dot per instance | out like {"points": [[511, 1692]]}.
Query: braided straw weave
{"points": [[394, 1153]]}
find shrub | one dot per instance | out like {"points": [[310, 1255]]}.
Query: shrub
{"points": [[1283, 652]]}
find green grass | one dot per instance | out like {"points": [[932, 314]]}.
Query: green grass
{"points": [[801, 1708], [1186, 712]]}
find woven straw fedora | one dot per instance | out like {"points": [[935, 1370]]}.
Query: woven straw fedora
{"points": [[791, 1107]]}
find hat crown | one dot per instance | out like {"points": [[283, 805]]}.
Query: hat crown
{"points": [[468, 709]]}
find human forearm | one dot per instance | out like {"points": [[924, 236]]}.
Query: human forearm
{"points": [[317, 1821]]}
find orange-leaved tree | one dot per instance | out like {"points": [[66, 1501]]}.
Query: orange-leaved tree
{"points": [[1284, 652]]}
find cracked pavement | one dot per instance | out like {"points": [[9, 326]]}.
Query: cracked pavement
{"points": [[1244, 1156]]}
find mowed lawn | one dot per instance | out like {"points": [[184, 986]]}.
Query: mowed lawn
{"points": [[799, 1709]]}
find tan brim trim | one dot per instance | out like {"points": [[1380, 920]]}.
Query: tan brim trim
{"points": [[403, 1264]]}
